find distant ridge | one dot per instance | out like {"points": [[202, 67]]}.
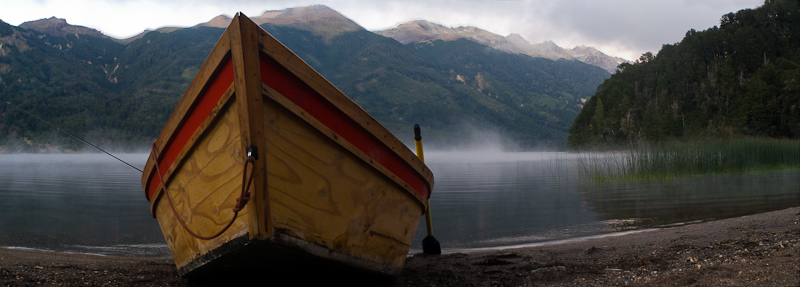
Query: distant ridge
{"points": [[59, 27], [424, 31], [328, 23], [120, 92], [319, 19]]}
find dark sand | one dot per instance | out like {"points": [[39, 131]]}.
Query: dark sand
{"points": [[756, 250]]}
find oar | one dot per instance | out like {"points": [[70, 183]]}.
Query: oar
{"points": [[429, 244]]}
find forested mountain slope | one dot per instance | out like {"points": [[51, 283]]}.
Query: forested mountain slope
{"points": [[741, 78], [120, 93]]}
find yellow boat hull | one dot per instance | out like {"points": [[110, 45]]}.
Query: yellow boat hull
{"points": [[328, 181]]}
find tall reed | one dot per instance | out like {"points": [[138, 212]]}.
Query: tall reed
{"points": [[675, 159]]}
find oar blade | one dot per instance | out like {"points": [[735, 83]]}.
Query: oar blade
{"points": [[431, 246]]}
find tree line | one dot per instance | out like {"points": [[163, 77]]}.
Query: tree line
{"points": [[738, 79]]}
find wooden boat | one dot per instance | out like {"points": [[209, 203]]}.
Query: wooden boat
{"points": [[325, 181]]}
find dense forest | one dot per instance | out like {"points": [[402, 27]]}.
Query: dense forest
{"points": [[119, 95], [95, 88], [738, 79]]}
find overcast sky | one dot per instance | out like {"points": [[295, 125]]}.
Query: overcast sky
{"points": [[624, 28]]}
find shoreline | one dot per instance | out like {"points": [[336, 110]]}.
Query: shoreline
{"points": [[549, 243], [755, 250]]}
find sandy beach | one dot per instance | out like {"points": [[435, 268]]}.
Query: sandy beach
{"points": [[755, 250]]}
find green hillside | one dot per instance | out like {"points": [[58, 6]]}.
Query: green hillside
{"points": [[741, 78], [61, 78], [120, 95], [536, 98]]}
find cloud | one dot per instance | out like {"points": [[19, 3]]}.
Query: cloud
{"points": [[624, 28]]}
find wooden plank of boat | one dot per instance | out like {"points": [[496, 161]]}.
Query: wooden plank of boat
{"points": [[329, 182]]}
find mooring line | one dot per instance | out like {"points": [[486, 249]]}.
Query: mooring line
{"points": [[73, 136]]}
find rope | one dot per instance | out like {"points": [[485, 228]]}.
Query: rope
{"points": [[73, 136], [244, 196]]}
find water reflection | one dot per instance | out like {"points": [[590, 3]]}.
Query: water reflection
{"points": [[91, 203], [76, 203], [704, 197], [506, 199]]}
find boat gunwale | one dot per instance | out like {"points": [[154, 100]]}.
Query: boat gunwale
{"points": [[283, 101], [199, 133], [329, 92], [211, 68]]}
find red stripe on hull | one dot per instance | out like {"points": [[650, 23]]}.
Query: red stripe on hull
{"points": [[288, 85], [204, 104], [297, 91]]}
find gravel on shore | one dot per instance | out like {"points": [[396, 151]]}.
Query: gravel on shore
{"points": [[756, 250]]}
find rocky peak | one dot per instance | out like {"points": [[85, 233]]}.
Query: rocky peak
{"points": [[220, 21], [592, 56], [517, 40], [424, 31], [59, 27], [318, 19], [549, 49], [418, 31], [315, 13]]}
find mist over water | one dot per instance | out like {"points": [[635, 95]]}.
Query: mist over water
{"points": [[78, 203], [478, 139], [91, 203]]}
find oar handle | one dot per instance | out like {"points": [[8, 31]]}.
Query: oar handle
{"points": [[421, 156], [418, 143], [429, 244]]}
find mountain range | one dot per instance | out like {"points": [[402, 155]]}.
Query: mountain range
{"points": [[424, 31], [315, 18], [120, 92]]}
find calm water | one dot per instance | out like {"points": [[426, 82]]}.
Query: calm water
{"points": [[87, 203], [91, 203], [501, 199]]}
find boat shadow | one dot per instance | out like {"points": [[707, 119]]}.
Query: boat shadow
{"points": [[292, 275], [271, 264]]}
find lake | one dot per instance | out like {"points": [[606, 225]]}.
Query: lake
{"points": [[505, 199], [92, 203]]}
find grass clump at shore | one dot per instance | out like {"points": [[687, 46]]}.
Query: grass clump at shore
{"points": [[677, 159]]}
